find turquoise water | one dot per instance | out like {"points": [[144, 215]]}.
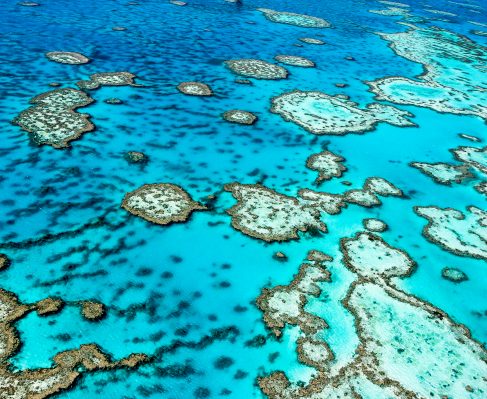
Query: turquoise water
{"points": [[64, 230]]}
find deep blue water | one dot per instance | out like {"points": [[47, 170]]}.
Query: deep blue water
{"points": [[190, 145]]}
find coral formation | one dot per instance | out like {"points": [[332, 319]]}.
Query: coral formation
{"points": [[136, 157], [294, 60], [161, 203], [92, 310], [305, 21], [327, 164], [443, 173], [285, 304], [375, 225], [67, 57], [195, 89], [108, 79], [453, 274], [52, 119], [320, 113], [463, 234], [265, 214], [311, 40], [239, 116], [257, 69], [407, 347], [67, 366], [440, 87]]}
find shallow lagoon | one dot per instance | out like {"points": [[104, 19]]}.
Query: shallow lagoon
{"points": [[196, 282]]}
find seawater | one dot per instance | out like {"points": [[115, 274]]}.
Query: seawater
{"points": [[181, 282]]}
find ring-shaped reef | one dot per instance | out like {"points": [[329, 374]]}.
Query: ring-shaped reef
{"points": [[453, 74], [320, 113]]}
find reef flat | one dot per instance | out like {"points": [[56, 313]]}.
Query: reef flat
{"points": [[225, 199], [415, 332]]}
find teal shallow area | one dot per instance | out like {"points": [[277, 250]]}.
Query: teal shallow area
{"points": [[185, 293]]}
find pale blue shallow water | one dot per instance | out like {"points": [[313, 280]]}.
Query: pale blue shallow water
{"points": [[145, 273]]}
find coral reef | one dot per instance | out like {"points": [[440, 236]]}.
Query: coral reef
{"points": [[327, 164], [265, 214], [67, 366], [407, 347], [443, 173], [320, 113], [453, 274], [239, 116], [92, 310], [375, 225], [439, 87], [161, 203], [463, 234], [52, 119], [305, 21], [294, 60], [257, 69], [285, 304], [195, 89], [108, 79], [67, 57]]}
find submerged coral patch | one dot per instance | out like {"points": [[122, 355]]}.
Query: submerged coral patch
{"points": [[463, 234], [108, 79], [294, 60], [239, 116], [320, 113], [195, 89], [453, 274], [53, 121], [305, 21], [67, 57], [311, 40], [136, 157], [327, 164], [161, 203], [257, 69]]}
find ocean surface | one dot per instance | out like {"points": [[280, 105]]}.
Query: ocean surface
{"points": [[185, 293]]}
